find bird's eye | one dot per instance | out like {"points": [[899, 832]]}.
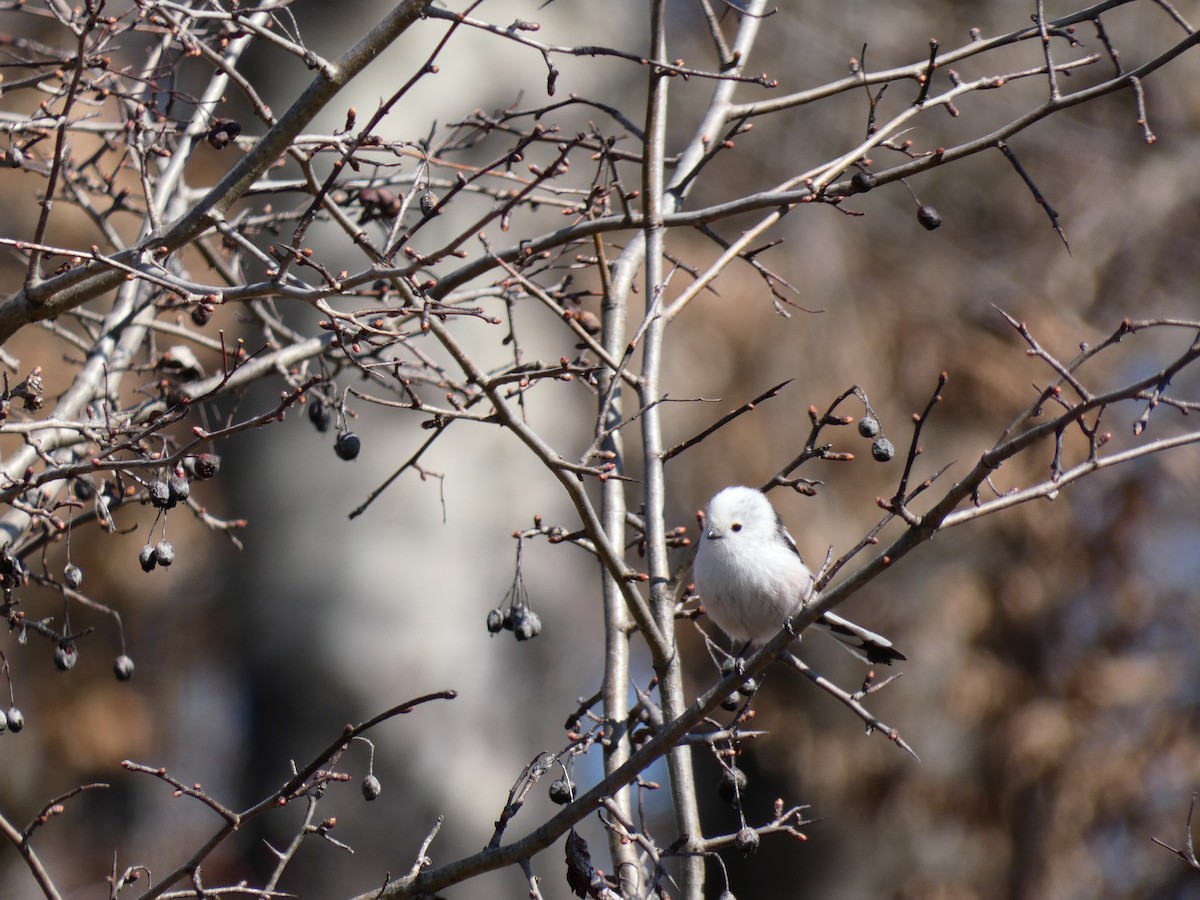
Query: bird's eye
{"points": [[736, 526]]}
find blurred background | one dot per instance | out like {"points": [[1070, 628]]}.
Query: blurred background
{"points": [[1053, 675]]}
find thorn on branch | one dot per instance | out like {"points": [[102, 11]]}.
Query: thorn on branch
{"points": [[726, 419], [927, 78], [1003, 147], [898, 501]]}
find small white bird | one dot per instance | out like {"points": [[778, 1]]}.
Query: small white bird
{"points": [[752, 580]]}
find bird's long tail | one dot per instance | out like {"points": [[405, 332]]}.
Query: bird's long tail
{"points": [[871, 648]]}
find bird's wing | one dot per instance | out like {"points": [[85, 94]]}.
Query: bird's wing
{"points": [[871, 648], [787, 537]]}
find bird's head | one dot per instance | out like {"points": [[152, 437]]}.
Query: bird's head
{"points": [[736, 513]]}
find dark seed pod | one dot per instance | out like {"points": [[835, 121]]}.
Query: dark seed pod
{"points": [[202, 314], [83, 489], [495, 621], [371, 788], [746, 839], [160, 495], [863, 182], [164, 553], [526, 623], [733, 782], [378, 203], [320, 415], [65, 656], [147, 558], [882, 449], [179, 488], [72, 575], [13, 572], [868, 426], [123, 668], [206, 465], [928, 217], [560, 792], [16, 721], [222, 133], [429, 202], [347, 445]]}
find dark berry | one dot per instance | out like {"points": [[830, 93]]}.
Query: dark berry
{"points": [[495, 621], [13, 572], [65, 656], [748, 687], [180, 488], [526, 623], [72, 575], [746, 839], [16, 721], [123, 668], [882, 449], [160, 495], [726, 894], [863, 182], [222, 133], [202, 314], [83, 489], [928, 217], [560, 792], [378, 203], [733, 782], [429, 202], [206, 465], [731, 703], [320, 415], [371, 788], [868, 426], [164, 553], [147, 558], [347, 445]]}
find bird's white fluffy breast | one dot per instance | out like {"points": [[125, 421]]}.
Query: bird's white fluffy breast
{"points": [[750, 581]]}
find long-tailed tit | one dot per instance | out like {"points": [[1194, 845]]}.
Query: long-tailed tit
{"points": [[752, 580]]}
